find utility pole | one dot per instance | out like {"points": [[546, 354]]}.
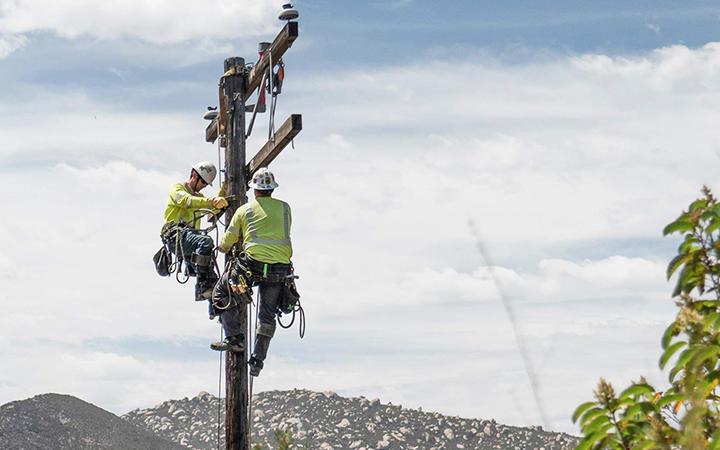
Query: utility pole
{"points": [[236, 85], [233, 82]]}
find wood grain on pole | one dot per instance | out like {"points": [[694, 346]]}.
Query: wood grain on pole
{"points": [[237, 436], [272, 148]]}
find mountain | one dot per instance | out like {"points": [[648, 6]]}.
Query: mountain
{"points": [[327, 421], [55, 422]]}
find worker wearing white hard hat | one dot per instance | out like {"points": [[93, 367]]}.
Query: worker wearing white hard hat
{"points": [[182, 222], [261, 230]]}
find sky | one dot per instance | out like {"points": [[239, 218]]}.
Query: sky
{"points": [[453, 154]]}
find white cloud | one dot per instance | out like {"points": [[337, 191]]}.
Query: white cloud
{"points": [[653, 27], [159, 22], [11, 42]]}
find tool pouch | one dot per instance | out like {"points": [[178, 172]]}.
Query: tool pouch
{"points": [[162, 260], [290, 297]]}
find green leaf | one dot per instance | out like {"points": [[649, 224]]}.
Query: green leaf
{"points": [[710, 321], [590, 440], [596, 424], [669, 352], [670, 399], [580, 410], [682, 361], [682, 280], [697, 204], [706, 305], [591, 414], [676, 262], [707, 354], [647, 445], [713, 375], [669, 333], [708, 214], [689, 244], [685, 357], [691, 276], [637, 389], [713, 227], [643, 407], [680, 226]]}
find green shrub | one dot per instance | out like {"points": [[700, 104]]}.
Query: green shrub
{"points": [[686, 414]]}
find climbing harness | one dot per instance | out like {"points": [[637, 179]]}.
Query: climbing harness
{"points": [[171, 258]]}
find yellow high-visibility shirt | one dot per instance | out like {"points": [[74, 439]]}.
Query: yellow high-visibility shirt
{"points": [[264, 227], [182, 204]]}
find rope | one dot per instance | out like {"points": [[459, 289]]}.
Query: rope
{"points": [[301, 321], [220, 371], [249, 349]]}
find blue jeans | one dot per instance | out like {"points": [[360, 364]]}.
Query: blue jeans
{"points": [[193, 241]]}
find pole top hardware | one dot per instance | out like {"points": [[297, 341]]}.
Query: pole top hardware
{"points": [[211, 113], [288, 12]]}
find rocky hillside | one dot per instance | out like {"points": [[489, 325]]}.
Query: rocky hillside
{"points": [[327, 421], [55, 422]]}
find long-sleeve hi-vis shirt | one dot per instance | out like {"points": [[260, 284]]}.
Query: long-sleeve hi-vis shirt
{"points": [[263, 225], [182, 204]]}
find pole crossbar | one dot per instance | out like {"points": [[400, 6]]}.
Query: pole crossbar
{"points": [[272, 148]]}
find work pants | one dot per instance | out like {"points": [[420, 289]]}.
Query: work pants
{"points": [[193, 241], [269, 297]]}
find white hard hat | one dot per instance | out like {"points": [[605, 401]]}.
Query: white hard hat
{"points": [[263, 180], [206, 170]]}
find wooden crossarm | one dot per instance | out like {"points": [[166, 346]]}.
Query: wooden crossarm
{"points": [[283, 136]]}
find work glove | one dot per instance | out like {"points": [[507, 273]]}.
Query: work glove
{"points": [[218, 202]]}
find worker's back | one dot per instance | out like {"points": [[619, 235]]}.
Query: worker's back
{"points": [[265, 224]]}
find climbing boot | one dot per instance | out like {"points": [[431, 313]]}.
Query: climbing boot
{"points": [[232, 344], [255, 366]]}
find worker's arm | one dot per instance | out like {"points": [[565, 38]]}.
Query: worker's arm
{"points": [[182, 198], [234, 231], [289, 217]]}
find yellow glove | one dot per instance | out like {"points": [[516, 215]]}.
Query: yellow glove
{"points": [[218, 202]]}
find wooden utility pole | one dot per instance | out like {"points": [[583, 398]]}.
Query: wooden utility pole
{"points": [[237, 435], [236, 85]]}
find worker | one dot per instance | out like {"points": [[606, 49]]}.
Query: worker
{"points": [[261, 228], [182, 221]]}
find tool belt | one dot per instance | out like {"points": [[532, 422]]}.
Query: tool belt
{"points": [[281, 274], [267, 272]]}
